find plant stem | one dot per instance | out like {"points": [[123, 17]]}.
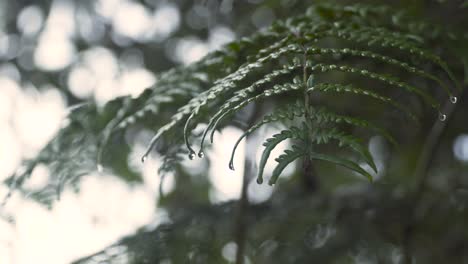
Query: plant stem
{"points": [[310, 179], [304, 80], [240, 229], [421, 175], [241, 225]]}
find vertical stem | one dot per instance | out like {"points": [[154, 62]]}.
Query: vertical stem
{"points": [[309, 179], [304, 80], [421, 176], [309, 175], [241, 225], [240, 229]]}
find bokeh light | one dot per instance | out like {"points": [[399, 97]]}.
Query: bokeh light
{"points": [[460, 147], [30, 20]]}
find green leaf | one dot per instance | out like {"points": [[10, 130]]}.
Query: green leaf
{"points": [[323, 115], [220, 87], [339, 88], [381, 58], [276, 90], [271, 143], [393, 81], [245, 96], [324, 135], [284, 160], [342, 162], [289, 112]]}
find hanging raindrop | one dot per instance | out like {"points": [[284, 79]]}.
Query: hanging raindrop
{"points": [[99, 168], [201, 154], [231, 166], [191, 155], [143, 159], [453, 99], [442, 117], [259, 180]]}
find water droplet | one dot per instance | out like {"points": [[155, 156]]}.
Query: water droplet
{"points": [[442, 117], [100, 168], [201, 154], [143, 159], [259, 180], [453, 99], [231, 166], [191, 156]]}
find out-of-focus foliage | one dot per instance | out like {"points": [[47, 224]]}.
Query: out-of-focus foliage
{"points": [[296, 64], [347, 220], [351, 225]]}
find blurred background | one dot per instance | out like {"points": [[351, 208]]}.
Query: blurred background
{"points": [[56, 54]]}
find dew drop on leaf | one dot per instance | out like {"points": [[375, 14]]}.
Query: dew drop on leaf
{"points": [[442, 117], [191, 156], [453, 99]]}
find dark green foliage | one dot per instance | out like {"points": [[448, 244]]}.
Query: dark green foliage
{"points": [[290, 57], [334, 228], [274, 64], [338, 82], [272, 142]]}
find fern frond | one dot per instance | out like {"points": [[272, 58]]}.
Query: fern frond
{"points": [[319, 136], [107, 131], [250, 70], [339, 88], [367, 35], [291, 155], [271, 143], [284, 160], [275, 46], [221, 86], [68, 156], [233, 106], [323, 136], [386, 79], [244, 96], [342, 162], [385, 59], [287, 113], [385, 40], [322, 115]]}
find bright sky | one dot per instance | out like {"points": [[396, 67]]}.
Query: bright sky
{"points": [[106, 208]]}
